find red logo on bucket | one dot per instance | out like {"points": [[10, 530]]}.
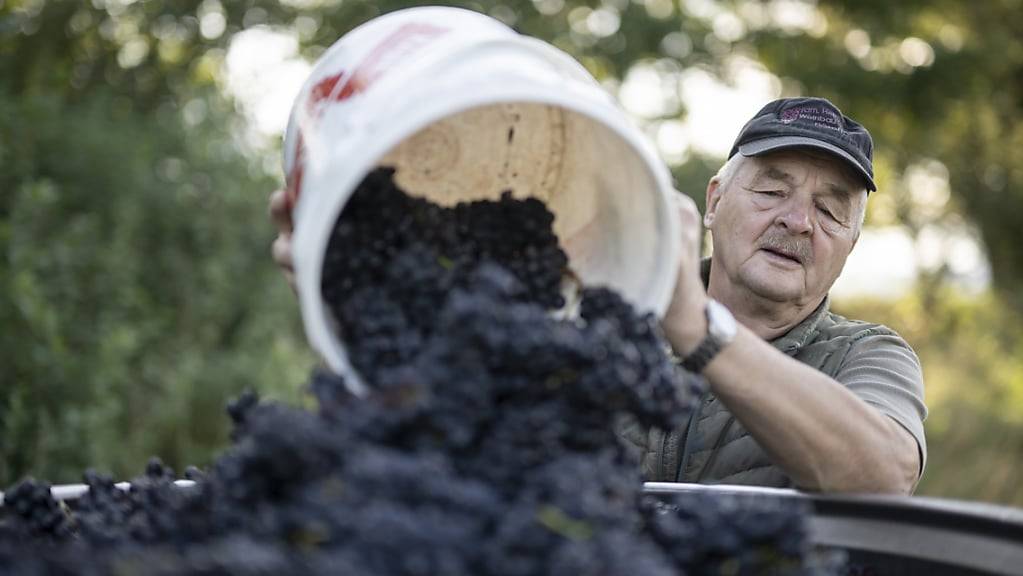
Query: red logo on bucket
{"points": [[331, 89], [322, 91]]}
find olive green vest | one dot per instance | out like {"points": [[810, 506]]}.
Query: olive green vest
{"points": [[714, 447]]}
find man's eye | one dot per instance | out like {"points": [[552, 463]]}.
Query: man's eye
{"points": [[768, 192], [827, 213]]}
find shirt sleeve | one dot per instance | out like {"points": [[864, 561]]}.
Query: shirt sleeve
{"points": [[883, 371]]}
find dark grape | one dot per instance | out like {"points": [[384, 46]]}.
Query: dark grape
{"points": [[35, 514]]}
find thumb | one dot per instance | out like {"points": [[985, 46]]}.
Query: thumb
{"points": [[690, 224]]}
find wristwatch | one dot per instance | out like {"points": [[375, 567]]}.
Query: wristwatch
{"points": [[721, 328]]}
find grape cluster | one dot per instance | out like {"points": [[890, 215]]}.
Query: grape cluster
{"points": [[393, 258], [34, 513], [486, 445], [737, 534]]}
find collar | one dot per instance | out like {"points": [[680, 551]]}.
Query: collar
{"points": [[801, 334]]}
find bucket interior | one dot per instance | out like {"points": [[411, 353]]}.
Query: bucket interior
{"points": [[605, 198]]}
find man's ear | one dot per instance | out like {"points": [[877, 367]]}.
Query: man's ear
{"points": [[713, 197]]}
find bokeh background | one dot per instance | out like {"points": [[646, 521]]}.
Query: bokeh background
{"points": [[139, 141]]}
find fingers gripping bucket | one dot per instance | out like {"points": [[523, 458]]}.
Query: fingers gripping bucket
{"points": [[465, 108]]}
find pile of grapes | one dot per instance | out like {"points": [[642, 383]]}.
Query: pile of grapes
{"points": [[486, 445]]}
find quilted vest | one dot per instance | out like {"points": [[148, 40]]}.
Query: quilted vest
{"points": [[714, 447]]}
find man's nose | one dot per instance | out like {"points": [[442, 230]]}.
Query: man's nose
{"points": [[796, 218]]}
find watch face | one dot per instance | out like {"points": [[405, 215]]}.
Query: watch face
{"points": [[721, 323]]}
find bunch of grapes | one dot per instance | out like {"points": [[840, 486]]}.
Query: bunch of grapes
{"points": [[486, 445], [393, 260]]}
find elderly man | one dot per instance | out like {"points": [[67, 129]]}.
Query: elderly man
{"points": [[799, 396]]}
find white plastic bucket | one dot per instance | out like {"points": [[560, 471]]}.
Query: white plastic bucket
{"points": [[465, 108]]}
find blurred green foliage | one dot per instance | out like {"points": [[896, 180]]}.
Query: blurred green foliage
{"points": [[134, 249], [137, 287]]}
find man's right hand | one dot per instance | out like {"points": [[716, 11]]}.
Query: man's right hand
{"points": [[281, 216]]}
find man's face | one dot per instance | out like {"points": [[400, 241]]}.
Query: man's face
{"points": [[784, 223]]}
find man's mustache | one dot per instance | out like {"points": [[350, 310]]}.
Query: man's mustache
{"points": [[797, 248]]}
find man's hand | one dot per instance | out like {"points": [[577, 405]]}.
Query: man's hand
{"points": [[281, 216], [685, 322]]}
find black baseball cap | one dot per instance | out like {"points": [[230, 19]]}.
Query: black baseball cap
{"points": [[808, 123]]}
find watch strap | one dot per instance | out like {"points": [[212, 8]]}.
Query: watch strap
{"points": [[698, 359], [720, 331]]}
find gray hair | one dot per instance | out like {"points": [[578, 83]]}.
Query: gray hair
{"points": [[728, 169]]}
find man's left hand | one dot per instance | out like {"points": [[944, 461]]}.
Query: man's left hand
{"points": [[685, 322]]}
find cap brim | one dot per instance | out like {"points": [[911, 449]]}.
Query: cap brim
{"points": [[765, 145]]}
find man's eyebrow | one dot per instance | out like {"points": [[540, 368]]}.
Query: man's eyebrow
{"points": [[775, 173], [839, 191]]}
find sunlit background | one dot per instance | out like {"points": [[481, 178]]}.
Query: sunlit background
{"points": [[139, 140], [264, 72]]}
